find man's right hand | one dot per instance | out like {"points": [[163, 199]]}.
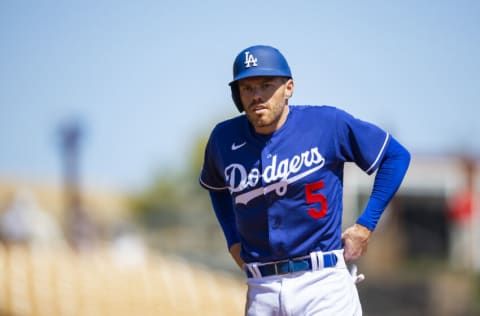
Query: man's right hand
{"points": [[235, 252]]}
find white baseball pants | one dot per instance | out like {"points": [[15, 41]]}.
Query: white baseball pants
{"points": [[326, 292]]}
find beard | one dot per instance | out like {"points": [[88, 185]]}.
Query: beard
{"points": [[265, 116]]}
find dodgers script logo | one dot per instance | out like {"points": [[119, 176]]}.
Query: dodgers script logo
{"points": [[239, 179], [250, 60]]}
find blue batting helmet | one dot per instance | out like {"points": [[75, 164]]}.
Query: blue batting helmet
{"points": [[255, 61]]}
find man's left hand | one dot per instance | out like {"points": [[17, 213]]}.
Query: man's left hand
{"points": [[355, 241]]}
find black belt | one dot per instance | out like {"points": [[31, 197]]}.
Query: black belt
{"points": [[292, 265]]}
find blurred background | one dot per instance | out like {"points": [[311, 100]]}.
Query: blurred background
{"points": [[105, 109]]}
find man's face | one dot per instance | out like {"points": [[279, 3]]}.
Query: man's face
{"points": [[265, 101]]}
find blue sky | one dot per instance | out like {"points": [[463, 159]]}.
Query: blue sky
{"points": [[146, 78]]}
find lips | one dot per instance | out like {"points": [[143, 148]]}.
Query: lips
{"points": [[258, 108]]}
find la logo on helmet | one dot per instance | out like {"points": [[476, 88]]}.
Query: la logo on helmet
{"points": [[250, 60]]}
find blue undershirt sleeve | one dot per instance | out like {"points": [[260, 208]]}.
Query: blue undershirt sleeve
{"points": [[223, 206], [390, 174]]}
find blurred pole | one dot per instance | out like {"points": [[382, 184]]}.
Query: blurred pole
{"points": [[470, 169], [79, 228], [475, 222]]}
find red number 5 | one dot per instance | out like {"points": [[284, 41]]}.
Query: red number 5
{"points": [[314, 197]]}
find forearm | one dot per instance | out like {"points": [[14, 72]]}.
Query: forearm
{"points": [[389, 176], [222, 204], [223, 207], [387, 181]]}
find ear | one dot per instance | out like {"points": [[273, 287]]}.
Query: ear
{"points": [[289, 85]]}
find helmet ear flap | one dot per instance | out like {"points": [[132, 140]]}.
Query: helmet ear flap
{"points": [[236, 97]]}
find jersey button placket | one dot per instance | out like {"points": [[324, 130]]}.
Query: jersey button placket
{"points": [[274, 219]]}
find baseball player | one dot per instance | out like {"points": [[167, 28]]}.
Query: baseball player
{"points": [[275, 178]]}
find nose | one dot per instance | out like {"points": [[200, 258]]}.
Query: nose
{"points": [[256, 94], [256, 100]]}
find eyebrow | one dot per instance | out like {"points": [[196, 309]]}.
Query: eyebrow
{"points": [[263, 80]]}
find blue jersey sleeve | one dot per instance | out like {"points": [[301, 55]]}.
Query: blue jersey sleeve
{"points": [[389, 176], [223, 207], [360, 142], [210, 176]]}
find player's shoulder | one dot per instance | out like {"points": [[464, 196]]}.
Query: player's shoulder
{"points": [[229, 127], [231, 123], [316, 110]]}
